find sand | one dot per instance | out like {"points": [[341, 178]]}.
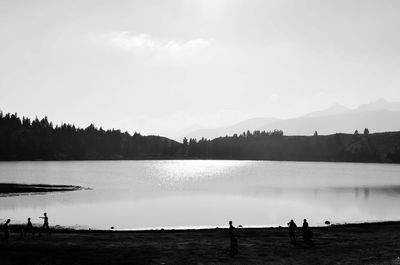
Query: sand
{"points": [[376, 243]]}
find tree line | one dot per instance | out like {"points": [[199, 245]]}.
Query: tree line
{"points": [[23, 139], [39, 139]]}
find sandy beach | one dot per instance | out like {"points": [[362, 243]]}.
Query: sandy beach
{"points": [[375, 243]]}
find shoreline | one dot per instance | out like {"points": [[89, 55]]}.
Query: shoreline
{"points": [[83, 229], [366, 243], [11, 189], [19, 225], [200, 158]]}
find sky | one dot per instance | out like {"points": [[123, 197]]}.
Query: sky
{"points": [[169, 66]]}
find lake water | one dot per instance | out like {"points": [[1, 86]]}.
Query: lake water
{"points": [[203, 193]]}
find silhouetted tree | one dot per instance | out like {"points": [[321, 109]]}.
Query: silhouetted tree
{"points": [[366, 131], [39, 139]]}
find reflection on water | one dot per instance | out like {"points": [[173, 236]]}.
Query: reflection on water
{"points": [[143, 194]]}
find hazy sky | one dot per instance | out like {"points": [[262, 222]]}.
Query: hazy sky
{"points": [[160, 67]]}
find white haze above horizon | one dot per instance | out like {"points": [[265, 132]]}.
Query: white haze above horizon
{"points": [[167, 67]]}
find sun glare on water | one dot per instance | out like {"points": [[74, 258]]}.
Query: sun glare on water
{"points": [[190, 170]]}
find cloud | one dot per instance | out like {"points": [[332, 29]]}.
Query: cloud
{"points": [[144, 43]]}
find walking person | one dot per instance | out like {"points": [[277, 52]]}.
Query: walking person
{"points": [[6, 228], [45, 224], [292, 231], [234, 244]]}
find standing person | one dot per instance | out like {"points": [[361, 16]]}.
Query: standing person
{"points": [[6, 228], [45, 224], [234, 245], [292, 231], [231, 230], [306, 232], [29, 228]]}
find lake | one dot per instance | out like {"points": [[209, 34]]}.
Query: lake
{"points": [[203, 193]]}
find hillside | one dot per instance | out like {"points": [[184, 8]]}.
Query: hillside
{"points": [[378, 147]]}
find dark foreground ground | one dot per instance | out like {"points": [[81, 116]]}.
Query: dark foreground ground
{"points": [[346, 244]]}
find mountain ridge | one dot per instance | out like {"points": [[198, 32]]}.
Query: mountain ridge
{"points": [[325, 121]]}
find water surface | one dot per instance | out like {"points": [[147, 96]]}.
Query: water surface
{"points": [[203, 193]]}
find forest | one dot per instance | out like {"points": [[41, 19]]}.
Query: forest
{"points": [[39, 139], [23, 139]]}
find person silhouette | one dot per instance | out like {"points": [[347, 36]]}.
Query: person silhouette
{"points": [[234, 245], [29, 228], [231, 230], [307, 234], [45, 224], [292, 231], [6, 228]]}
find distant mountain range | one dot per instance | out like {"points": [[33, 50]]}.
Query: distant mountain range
{"points": [[240, 127], [378, 116]]}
